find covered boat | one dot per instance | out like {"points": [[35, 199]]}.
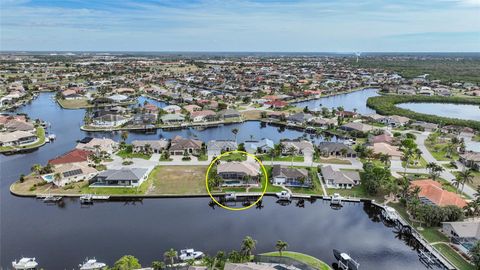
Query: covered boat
{"points": [[24, 263]]}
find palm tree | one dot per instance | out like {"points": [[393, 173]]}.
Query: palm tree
{"points": [[170, 255], [434, 169], [36, 168], [57, 177], [271, 153], [385, 159], [124, 135], [457, 182], [281, 246], [466, 176], [158, 265], [291, 152], [248, 245], [235, 132]]}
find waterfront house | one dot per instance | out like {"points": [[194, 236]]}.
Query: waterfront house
{"points": [[334, 149], [323, 123], [237, 173], [471, 159], [299, 118], [339, 179], [291, 177], [71, 173], [262, 146], [229, 114], [117, 98], [301, 147], [98, 145], [23, 125], [17, 138], [217, 147], [152, 146], [192, 108], [172, 118], [173, 109], [203, 116], [125, 177], [357, 126], [71, 94], [109, 120], [276, 104], [395, 120], [425, 126], [431, 192], [73, 156], [179, 146], [465, 233]]}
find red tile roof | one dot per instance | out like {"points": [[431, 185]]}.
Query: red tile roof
{"points": [[433, 191], [76, 155]]}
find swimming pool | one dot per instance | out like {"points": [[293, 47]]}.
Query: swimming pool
{"points": [[48, 177]]}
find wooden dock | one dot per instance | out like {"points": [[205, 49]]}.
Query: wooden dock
{"points": [[428, 249]]}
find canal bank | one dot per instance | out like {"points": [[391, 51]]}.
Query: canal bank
{"points": [[108, 230]]}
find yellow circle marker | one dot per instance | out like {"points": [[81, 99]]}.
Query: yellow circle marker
{"points": [[264, 173]]}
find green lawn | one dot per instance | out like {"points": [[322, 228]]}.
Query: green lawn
{"points": [[289, 158], [307, 259], [235, 156], [453, 257], [125, 154], [421, 163], [332, 160], [356, 192], [40, 132], [74, 103]]}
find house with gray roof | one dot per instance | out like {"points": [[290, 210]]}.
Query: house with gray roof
{"points": [[228, 114], [339, 179], [290, 177], [262, 146], [217, 147], [335, 149], [465, 233], [172, 118], [239, 173], [124, 177], [301, 147], [153, 146]]}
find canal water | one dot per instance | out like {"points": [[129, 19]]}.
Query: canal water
{"points": [[350, 101], [460, 111], [62, 236]]}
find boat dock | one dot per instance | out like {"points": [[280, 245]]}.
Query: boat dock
{"points": [[429, 254]]}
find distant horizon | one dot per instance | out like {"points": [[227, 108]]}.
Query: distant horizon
{"points": [[241, 25], [227, 51]]}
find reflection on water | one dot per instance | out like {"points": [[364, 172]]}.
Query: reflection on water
{"points": [[460, 111], [61, 236]]}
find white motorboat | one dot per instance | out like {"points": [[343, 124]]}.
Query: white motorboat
{"points": [[230, 196], [86, 199], [51, 199], [24, 264], [336, 199], [345, 262], [284, 195], [389, 213], [190, 254], [91, 264]]}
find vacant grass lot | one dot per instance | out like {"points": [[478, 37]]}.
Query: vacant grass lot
{"points": [[312, 261], [74, 103], [177, 180]]}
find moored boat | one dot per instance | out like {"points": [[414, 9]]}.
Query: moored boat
{"points": [[284, 195], [345, 262], [91, 264], [190, 254]]}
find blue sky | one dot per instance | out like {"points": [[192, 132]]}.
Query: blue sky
{"points": [[241, 25]]}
